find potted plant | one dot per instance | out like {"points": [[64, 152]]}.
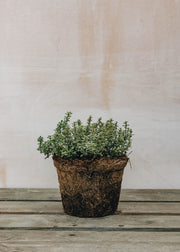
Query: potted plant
{"points": [[90, 161]]}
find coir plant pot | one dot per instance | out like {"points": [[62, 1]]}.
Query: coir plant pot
{"points": [[90, 161], [90, 188]]}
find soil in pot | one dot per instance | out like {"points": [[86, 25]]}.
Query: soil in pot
{"points": [[90, 187]]}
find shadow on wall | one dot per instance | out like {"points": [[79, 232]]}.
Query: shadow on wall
{"points": [[92, 21], [2, 174]]}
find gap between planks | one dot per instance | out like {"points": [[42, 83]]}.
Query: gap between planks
{"points": [[94, 229], [145, 201]]}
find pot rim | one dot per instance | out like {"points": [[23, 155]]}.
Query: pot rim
{"points": [[103, 164], [123, 157]]}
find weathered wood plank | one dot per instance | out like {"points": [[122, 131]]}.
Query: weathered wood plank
{"points": [[80, 241], [29, 194], [155, 195], [20, 207], [113, 221], [79, 247], [145, 223], [126, 194]]}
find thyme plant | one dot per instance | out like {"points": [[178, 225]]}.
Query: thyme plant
{"points": [[93, 140]]}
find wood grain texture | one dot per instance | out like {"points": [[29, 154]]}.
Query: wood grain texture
{"points": [[54, 195], [113, 221], [53, 241], [32, 220], [20, 207]]}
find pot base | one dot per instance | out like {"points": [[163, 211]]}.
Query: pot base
{"points": [[92, 206]]}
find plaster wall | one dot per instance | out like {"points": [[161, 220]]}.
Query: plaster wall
{"points": [[109, 58]]}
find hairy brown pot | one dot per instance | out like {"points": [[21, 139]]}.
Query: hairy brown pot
{"points": [[90, 187]]}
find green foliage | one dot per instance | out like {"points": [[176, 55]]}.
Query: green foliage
{"points": [[93, 140]]}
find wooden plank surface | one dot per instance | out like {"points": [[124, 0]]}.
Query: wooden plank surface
{"points": [[32, 220], [80, 241], [126, 194], [112, 221], [51, 207]]}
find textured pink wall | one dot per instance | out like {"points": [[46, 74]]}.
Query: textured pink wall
{"points": [[115, 58]]}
